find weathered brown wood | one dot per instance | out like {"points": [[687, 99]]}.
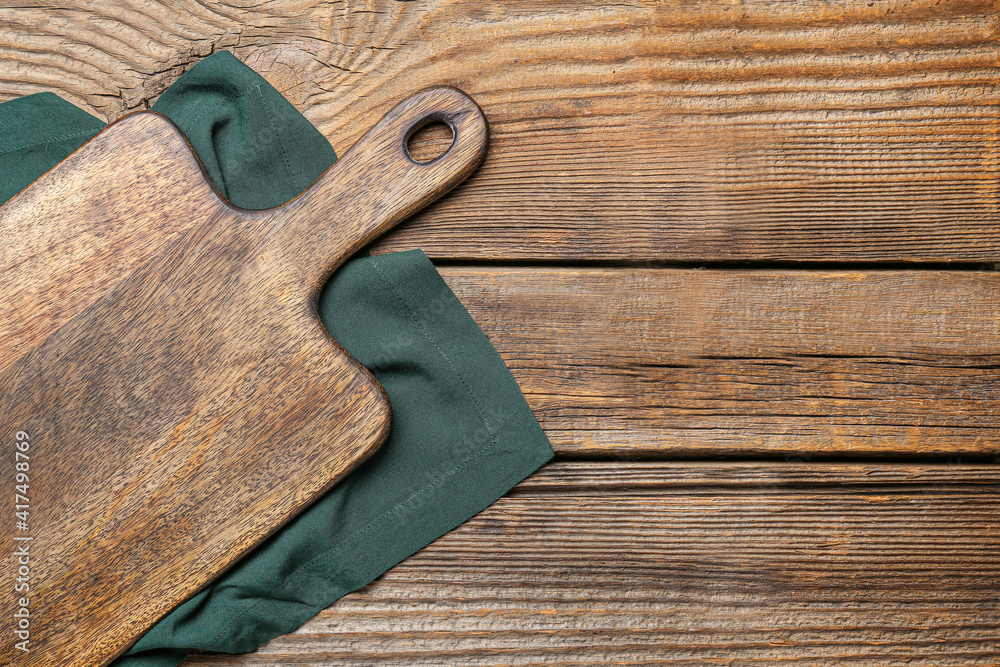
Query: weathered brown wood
{"points": [[634, 131], [654, 362], [665, 131], [185, 415], [700, 563]]}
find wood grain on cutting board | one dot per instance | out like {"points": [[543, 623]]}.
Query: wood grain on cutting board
{"points": [[64, 246]]}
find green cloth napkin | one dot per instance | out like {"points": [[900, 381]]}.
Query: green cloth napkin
{"points": [[461, 433]]}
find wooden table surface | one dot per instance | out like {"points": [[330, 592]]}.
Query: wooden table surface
{"points": [[739, 255]]}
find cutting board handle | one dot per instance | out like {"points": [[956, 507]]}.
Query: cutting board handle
{"points": [[376, 184]]}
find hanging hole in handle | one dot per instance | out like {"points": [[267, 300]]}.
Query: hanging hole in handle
{"points": [[429, 140]]}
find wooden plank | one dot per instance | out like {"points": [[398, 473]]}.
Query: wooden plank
{"points": [[677, 362], [707, 563], [674, 131]]}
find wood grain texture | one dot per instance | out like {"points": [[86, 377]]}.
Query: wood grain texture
{"points": [[684, 564], [638, 131], [675, 362], [53, 267], [647, 132], [189, 412]]}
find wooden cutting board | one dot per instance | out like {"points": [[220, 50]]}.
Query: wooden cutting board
{"points": [[191, 410]]}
